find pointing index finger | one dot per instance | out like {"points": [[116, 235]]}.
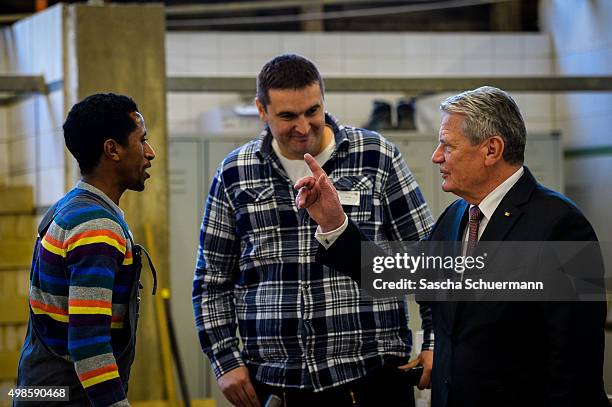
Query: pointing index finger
{"points": [[314, 166]]}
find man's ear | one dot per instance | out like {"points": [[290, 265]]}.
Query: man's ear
{"points": [[263, 115], [494, 150], [111, 149]]}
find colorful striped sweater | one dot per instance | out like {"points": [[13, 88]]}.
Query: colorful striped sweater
{"points": [[80, 291]]}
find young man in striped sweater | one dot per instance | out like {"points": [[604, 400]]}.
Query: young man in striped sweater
{"points": [[85, 269]]}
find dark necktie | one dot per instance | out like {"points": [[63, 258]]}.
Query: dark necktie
{"points": [[475, 217]]}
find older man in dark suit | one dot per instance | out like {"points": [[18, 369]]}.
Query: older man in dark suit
{"points": [[491, 353]]}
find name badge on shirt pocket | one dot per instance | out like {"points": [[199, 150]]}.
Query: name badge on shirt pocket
{"points": [[349, 197], [355, 193]]}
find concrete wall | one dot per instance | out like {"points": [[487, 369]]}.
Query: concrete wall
{"points": [[582, 45], [31, 140], [355, 54], [120, 49]]}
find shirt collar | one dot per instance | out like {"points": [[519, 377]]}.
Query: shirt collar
{"points": [[265, 137], [90, 188], [490, 203]]}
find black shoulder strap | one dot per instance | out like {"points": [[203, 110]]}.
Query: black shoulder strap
{"points": [[47, 219], [84, 197], [88, 197]]}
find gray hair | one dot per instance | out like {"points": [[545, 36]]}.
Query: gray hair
{"points": [[489, 111]]}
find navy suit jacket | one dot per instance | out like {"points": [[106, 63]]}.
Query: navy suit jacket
{"points": [[510, 353]]}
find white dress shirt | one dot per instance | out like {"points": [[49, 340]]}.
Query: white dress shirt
{"points": [[490, 203]]}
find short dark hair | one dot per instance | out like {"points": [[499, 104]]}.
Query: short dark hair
{"points": [[288, 71], [94, 120]]}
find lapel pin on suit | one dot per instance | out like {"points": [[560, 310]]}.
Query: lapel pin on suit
{"points": [[507, 214]]}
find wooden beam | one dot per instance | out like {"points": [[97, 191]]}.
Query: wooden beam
{"points": [[26, 83], [230, 7], [23, 83], [406, 85], [11, 18]]}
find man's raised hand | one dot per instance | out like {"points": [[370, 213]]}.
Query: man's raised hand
{"points": [[319, 197]]}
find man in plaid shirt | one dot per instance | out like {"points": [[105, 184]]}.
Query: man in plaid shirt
{"points": [[309, 335]]}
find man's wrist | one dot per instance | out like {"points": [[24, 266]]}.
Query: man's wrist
{"points": [[334, 225], [328, 238]]}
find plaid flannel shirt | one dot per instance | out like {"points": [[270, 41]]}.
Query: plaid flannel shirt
{"points": [[302, 325]]}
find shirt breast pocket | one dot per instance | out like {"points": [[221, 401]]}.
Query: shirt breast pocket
{"points": [[355, 193], [257, 210]]}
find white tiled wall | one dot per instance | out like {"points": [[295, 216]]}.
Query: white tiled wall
{"points": [[205, 53], [357, 54], [31, 142], [51, 150], [35, 45], [582, 42], [50, 185], [51, 112], [22, 152]]}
